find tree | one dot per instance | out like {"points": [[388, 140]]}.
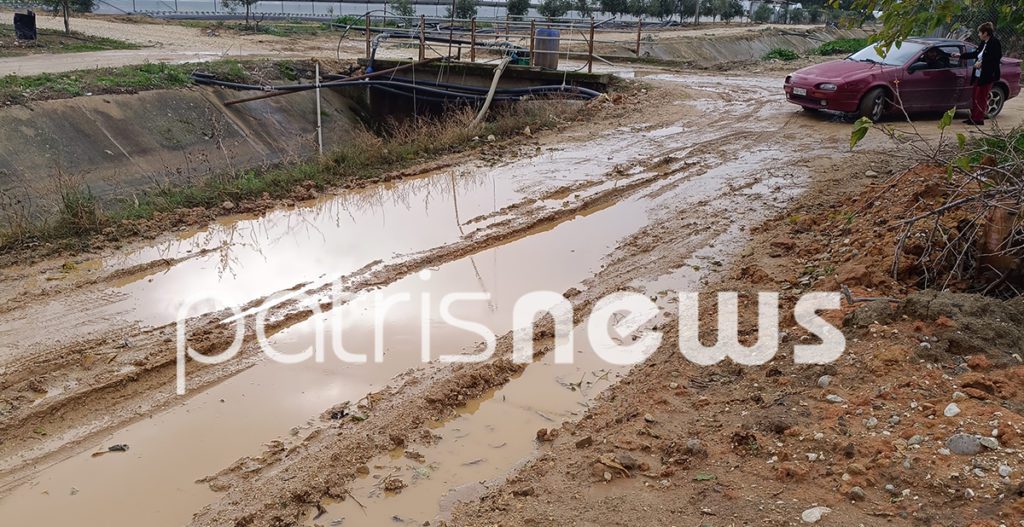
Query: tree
{"points": [[584, 8], [814, 14], [660, 9], [615, 7], [554, 8], [517, 8], [403, 8], [686, 9], [729, 9], [66, 7], [762, 14], [235, 4], [637, 8], [797, 16], [903, 18], [709, 8], [464, 9]]}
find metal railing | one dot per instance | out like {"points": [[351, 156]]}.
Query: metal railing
{"points": [[577, 39]]}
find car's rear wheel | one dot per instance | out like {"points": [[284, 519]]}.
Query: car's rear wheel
{"points": [[996, 99], [872, 105]]}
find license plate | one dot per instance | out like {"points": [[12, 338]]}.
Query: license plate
{"points": [[799, 91]]}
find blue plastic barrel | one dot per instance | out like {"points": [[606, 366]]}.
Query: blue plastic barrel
{"points": [[545, 46]]}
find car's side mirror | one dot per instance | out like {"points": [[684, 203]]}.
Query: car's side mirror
{"points": [[917, 66]]}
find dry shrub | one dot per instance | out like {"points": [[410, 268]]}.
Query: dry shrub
{"points": [[965, 229]]}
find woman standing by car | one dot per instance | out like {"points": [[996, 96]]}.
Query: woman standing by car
{"points": [[986, 71]]}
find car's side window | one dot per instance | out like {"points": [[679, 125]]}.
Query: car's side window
{"points": [[954, 61], [938, 58]]}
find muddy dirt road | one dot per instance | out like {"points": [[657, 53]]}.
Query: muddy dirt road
{"points": [[172, 43], [662, 200]]}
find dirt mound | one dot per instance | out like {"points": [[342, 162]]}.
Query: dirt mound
{"points": [[916, 424]]}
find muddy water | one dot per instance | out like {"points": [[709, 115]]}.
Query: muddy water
{"points": [[489, 437], [245, 258], [152, 483], [493, 435], [338, 235]]}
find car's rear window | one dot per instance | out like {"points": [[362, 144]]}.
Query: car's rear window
{"points": [[897, 56]]}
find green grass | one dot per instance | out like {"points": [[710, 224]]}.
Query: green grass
{"points": [[843, 46], [17, 89], [54, 41], [277, 28], [780, 54]]}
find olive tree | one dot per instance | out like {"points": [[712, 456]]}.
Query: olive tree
{"points": [[464, 9], [235, 4], [66, 7], [554, 8], [584, 7], [762, 14], [517, 8], [403, 8]]}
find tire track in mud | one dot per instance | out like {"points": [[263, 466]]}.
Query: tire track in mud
{"points": [[279, 486], [322, 465], [153, 370], [143, 378]]}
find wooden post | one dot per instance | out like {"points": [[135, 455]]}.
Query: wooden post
{"points": [[506, 25], [367, 22], [472, 39], [639, 27], [423, 37], [533, 31], [590, 46]]}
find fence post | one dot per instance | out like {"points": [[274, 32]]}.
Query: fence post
{"points": [[533, 31], [319, 122], [639, 28], [451, 32], [423, 37], [506, 25], [367, 22], [472, 39], [590, 46]]}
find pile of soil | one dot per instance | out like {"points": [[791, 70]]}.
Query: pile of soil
{"points": [[919, 422]]}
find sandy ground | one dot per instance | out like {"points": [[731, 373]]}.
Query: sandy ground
{"points": [[669, 191], [168, 43]]}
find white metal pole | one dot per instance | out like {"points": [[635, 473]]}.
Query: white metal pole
{"points": [[319, 127]]}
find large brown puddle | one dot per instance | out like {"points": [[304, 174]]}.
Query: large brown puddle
{"points": [[153, 483], [246, 258]]}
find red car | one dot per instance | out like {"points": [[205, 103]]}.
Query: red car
{"points": [[922, 73]]}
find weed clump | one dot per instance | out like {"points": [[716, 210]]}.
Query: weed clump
{"points": [[780, 54]]}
